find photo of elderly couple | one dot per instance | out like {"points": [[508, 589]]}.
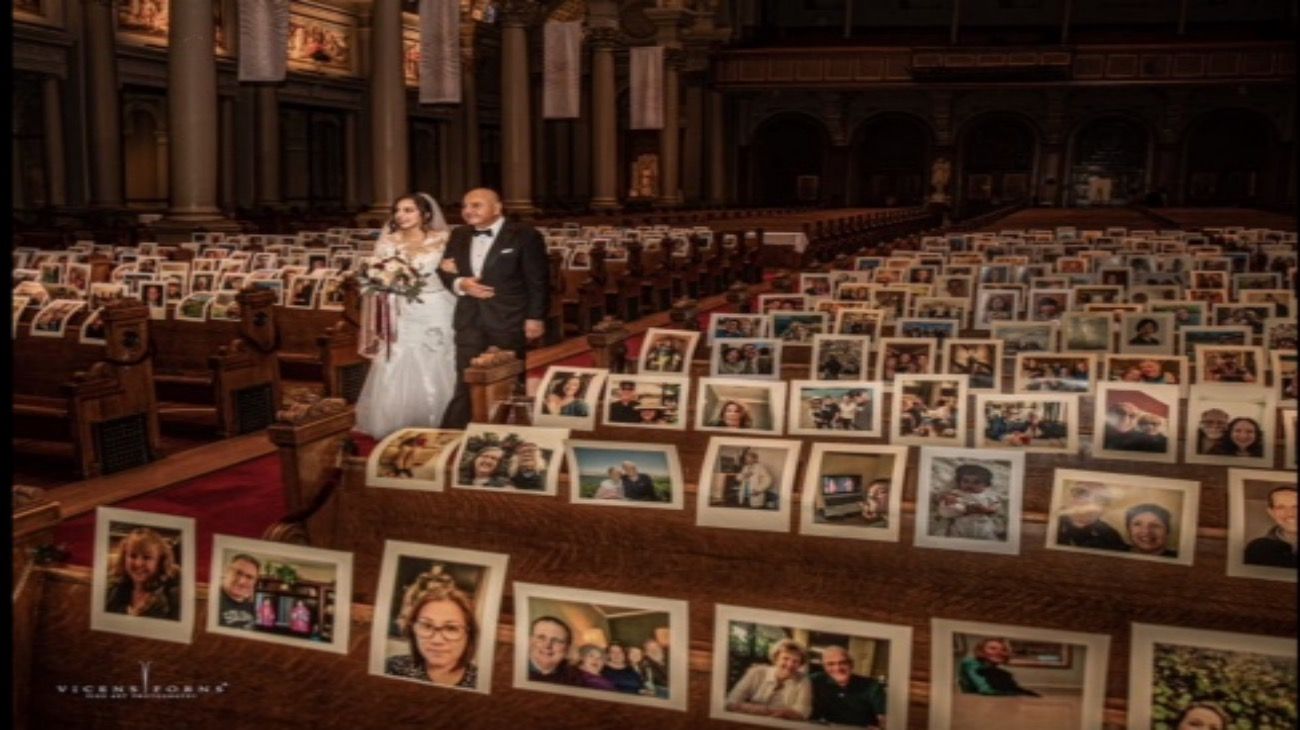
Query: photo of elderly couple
{"points": [[630, 474], [793, 670]]}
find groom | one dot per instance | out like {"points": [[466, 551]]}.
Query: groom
{"points": [[500, 279]]}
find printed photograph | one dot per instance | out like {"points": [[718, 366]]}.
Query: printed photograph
{"points": [[904, 356], [822, 407], [1086, 332], [225, 305], [1046, 424], [280, 593], [1015, 677], [1193, 678], [1064, 373], [1288, 418], [436, 615], [994, 305], [794, 670], [1147, 333], [194, 307], [936, 329], [1245, 315], [1230, 425], [1135, 422], [853, 490], [757, 359], [730, 326], [1046, 305], [646, 401], [1192, 338], [523, 459], [52, 319], [840, 357], [568, 397], [1148, 369], [1228, 364], [302, 292], [1262, 524], [1124, 515], [142, 583], [746, 483], [1279, 333], [667, 352], [412, 458], [979, 360], [602, 646], [729, 404], [1186, 312], [1018, 337], [929, 409], [854, 321], [796, 328], [957, 308], [768, 303], [625, 474], [969, 499]]}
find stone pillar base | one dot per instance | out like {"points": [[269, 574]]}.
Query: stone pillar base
{"points": [[668, 202], [605, 204]]}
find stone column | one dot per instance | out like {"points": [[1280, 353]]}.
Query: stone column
{"points": [[469, 110], [103, 105], [693, 142], [193, 119], [604, 121], [670, 191], [717, 150], [226, 198], [389, 137], [55, 161], [267, 165], [516, 120], [352, 161]]}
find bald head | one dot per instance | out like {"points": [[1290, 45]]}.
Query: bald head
{"points": [[481, 207]]}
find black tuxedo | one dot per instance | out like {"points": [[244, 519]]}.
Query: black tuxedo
{"points": [[517, 268]]}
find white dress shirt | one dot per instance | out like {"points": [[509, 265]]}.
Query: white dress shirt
{"points": [[478, 251]]}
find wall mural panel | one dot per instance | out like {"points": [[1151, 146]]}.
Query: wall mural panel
{"points": [[145, 22], [322, 42]]}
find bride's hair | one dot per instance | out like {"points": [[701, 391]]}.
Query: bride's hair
{"points": [[422, 204]]}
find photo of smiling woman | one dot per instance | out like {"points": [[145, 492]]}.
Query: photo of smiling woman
{"points": [[143, 577], [440, 609], [142, 583]]}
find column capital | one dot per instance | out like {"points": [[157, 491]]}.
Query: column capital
{"points": [[519, 13], [605, 38], [668, 22]]}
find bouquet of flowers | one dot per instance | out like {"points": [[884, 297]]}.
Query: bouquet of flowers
{"points": [[390, 280], [393, 275]]}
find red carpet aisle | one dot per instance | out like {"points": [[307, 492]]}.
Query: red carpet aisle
{"points": [[241, 500]]}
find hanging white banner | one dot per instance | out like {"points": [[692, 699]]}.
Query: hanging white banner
{"points": [[439, 51], [263, 39], [647, 87], [562, 70]]}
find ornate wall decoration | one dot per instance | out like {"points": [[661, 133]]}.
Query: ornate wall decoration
{"points": [[145, 22], [322, 41], [411, 55]]}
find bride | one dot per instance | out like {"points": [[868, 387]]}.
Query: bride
{"points": [[413, 373]]}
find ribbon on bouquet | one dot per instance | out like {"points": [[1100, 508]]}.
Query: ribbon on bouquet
{"points": [[379, 314]]}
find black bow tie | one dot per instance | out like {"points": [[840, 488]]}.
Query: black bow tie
{"points": [[487, 232]]}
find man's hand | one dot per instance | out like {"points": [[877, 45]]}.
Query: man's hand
{"points": [[534, 328], [472, 287]]}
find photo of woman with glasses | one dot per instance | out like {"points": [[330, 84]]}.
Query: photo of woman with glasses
{"points": [[437, 619]]}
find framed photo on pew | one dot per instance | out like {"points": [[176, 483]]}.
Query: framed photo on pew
{"points": [[853, 491], [1045, 424], [565, 637], [1261, 518], [509, 458], [647, 401], [751, 358], [1231, 425], [747, 483], [1124, 516], [835, 408], [436, 615], [1016, 677], [624, 474], [740, 406], [52, 319], [969, 499], [929, 410], [568, 397], [142, 581], [667, 351], [855, 672], [280, 593], [412, 458]]}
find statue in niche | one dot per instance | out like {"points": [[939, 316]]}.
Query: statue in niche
{"points": [[940, 174], [645, 176]]}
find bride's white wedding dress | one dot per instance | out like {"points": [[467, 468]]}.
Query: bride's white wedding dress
{"points": [[412, 384]]}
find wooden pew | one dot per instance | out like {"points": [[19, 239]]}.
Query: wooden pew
{"points": [[622, 290], [650, 266], [320, 345], [100, 398], [218, 373], [583, 301]]}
